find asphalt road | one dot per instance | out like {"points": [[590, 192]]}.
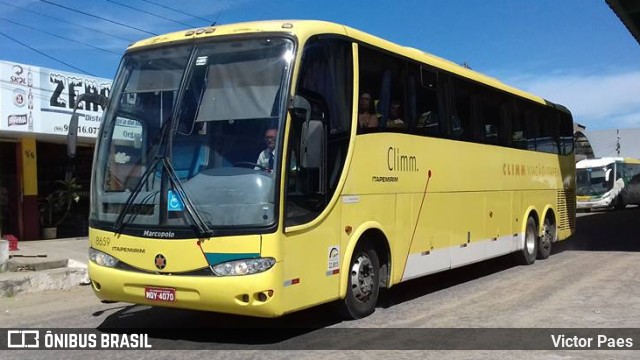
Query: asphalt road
{"points": [[590, 281]]}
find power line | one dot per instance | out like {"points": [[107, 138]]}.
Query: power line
{"points": [[149, 12], [58, 36], [97, 17], [43, 54], [66, 21], [182, 12]]}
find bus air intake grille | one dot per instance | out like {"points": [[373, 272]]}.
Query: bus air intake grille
{"points": [[199, 272], [566, 210]]}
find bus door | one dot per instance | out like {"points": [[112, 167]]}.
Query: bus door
{"points": [[312, 244], [318, 140]]}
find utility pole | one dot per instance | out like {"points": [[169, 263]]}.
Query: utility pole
{"points": [[618, 142]]}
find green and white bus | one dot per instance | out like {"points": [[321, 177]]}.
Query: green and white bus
{"points": [[607, 182]]}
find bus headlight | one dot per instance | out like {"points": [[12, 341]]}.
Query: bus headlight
{"points": [[102, 259], [244, 267]]}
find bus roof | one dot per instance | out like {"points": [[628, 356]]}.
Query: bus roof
{"points": [[305, 28], [600, 162]]}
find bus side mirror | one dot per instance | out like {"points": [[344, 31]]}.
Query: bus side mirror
{"points": [[72, 135], [607, 175], [312, 136], [311, 144]]}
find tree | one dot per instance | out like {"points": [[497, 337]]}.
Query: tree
{"points": [[57, 205]]}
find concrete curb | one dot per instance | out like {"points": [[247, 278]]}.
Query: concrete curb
{"points": [[39, 265], [14, 283], [4, 254]]}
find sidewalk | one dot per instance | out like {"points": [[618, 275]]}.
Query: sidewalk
{"points": [[45, 265]]}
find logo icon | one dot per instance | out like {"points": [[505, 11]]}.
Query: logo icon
{"points": [[19, 97], [21, 339], [160, 261], [17, 69], [13, 120], [174, 203]]}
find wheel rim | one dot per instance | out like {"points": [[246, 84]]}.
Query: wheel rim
{"points": [[530, 240], [548, 234], [362, 278]]}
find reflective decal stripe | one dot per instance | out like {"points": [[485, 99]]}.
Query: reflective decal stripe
{"points": [[333, 272], [291, 282]]}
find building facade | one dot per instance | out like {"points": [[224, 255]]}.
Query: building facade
{"points": [[35, 108]]}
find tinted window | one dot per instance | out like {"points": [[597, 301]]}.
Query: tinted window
{"points": [[383, 81]]}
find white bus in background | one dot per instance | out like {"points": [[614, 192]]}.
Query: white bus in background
{"points": [[607, 182]]}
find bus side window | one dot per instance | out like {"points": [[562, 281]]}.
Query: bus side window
{"points": [[490, 114], [425, 109], [461, 122], [384, 78], [518, 128], [532, 128]]}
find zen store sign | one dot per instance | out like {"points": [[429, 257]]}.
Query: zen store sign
{"points": [[40, 100]]}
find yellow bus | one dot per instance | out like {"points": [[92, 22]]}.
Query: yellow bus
{"points": [[266, 167]]}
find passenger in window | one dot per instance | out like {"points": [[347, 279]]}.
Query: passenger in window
{"points": [[267, 156], [428, 120], [395, 116], [367, 117]]}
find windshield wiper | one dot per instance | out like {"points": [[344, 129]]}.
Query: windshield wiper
{"points": [[202, 228], [127, 205]]}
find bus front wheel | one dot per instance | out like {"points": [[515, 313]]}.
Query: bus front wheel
{"points": [[363, 283], [528, 254]]}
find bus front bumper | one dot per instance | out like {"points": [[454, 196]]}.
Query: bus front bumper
{"points": [[593, 204], [251, 295]]}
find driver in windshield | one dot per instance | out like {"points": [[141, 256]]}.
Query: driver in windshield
{"points": [[267, 156]]}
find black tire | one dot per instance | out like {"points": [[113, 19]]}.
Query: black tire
{"points": [[363, 286], [547, 239], [527, 255], [620, 204]]}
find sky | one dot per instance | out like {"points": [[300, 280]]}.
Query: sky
{"points": [[573, 52]]}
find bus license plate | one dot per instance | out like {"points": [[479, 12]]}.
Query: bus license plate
{"points": [[160, 294]]}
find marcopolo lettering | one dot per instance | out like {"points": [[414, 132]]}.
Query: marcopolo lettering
{"points": [[159, 234]]}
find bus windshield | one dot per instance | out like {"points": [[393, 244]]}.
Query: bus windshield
{"points": [[194, 129], [594, 181]]}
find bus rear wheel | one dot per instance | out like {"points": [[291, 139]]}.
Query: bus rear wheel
{"points": [[363, 284], [547, 238], [527, 255]]}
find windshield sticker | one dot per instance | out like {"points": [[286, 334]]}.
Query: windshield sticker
{"points": [[174, 203], [334, 260], [350, 199], [201, 60], [121, 158]]}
